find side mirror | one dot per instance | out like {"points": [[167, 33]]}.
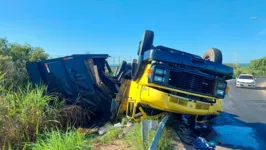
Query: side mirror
{"points": [[236, 77]]}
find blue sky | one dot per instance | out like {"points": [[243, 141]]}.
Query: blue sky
{"points": [[116, 26]]}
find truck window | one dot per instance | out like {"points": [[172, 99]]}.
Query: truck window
{"points": [[245, 77]]}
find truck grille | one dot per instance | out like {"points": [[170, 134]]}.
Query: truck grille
{"points": [[192, 82]]}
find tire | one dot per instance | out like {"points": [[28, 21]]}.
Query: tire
{"points": [[146, 42], [138, 68], [214, 55]]}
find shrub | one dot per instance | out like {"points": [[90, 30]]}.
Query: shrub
{"points": [[13, 59]]}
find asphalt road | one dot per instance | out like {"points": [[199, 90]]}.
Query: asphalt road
{"points": [[242, 125]]}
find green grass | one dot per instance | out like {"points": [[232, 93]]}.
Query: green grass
{"points": [[57, 140], [74, 140], [109, 136], [24, 114], [166, 141], [133, 137]]}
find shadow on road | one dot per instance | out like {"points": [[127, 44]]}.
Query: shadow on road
{"points": [[256, 88], [232, 133], [260, 88]]}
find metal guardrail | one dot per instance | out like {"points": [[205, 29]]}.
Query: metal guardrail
{"points": [[147, 125], [158, 133]]}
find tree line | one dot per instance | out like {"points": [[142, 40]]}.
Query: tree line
{"points": [[257, 67]]}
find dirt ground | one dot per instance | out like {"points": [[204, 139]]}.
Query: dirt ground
{"points": [[116, 145], [120, 145]]}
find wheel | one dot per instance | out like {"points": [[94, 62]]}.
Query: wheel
{"points": [[213, 54], [138, 69], [146, 42]]}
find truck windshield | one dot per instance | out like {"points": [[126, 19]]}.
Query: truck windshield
{"points": [[245, 77]]}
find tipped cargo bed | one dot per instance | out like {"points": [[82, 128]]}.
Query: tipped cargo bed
{"points": [[80, 79]]}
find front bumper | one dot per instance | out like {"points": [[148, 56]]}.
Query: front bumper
{"points": [[251, 85], [171, 103]]}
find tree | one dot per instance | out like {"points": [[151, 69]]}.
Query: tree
{"points": [[13, 59], [258, 65]]}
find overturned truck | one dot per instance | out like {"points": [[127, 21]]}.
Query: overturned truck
{"points": [[169, 80], [161, 80]]}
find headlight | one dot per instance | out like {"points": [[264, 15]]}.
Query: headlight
{"points": [[158, 79], [160, 71], [159, 75], [220, 92], [221, 85], [220, 88]]}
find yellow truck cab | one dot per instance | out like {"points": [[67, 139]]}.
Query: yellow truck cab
{"points": [[168, 80]]}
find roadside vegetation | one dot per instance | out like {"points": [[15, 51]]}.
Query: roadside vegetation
{"points": [[13, 59], [58, 140], [73, 139], [166, 142], [256, 67], [24, 115], [25, 110]]}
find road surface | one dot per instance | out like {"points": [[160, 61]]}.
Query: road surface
{"points": [[242, 125]]}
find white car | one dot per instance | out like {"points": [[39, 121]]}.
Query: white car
{"points": [[245, 80]]}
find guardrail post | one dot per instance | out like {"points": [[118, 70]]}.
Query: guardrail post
{"points": [[145, 129], [158, 133]]}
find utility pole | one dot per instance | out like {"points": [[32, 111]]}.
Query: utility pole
{"points": [[236, 59]]}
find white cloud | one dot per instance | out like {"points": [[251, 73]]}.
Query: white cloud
{"points": [[254, 18]]}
